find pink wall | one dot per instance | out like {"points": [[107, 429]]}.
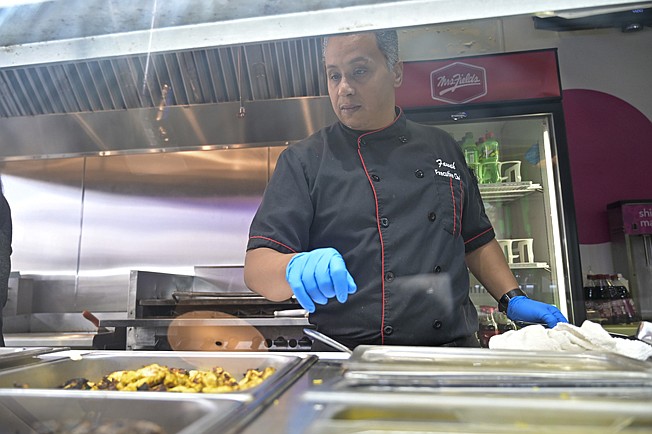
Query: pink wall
{"points": [[610, 149]]}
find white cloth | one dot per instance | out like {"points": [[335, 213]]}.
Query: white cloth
{"points": [[568, 337]]}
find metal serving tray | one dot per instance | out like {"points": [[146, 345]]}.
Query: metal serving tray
{"points": [[15, 356], [234, 409], [57, 368], [332, 413], [29, 411], [435, 367]]}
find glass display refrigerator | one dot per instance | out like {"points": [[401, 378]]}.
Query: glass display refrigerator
{"points": [[505, 112]]}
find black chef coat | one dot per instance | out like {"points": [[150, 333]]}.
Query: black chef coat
{"points": [[402, 207]]}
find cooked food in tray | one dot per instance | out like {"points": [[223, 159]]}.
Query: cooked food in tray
{"points": [[159, 378]]}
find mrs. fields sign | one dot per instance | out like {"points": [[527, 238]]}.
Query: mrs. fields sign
{"points": [[458, 83], [520, 76]]}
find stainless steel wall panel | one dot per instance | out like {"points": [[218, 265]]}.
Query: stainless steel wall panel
{"points": [[45, 199], [170, 211], [81, 224], [99, 292], [55, 293]]}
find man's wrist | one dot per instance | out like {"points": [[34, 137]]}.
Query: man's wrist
{"points": [[504, 300]]}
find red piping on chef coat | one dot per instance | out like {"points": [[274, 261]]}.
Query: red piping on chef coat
{"points": [[382, 248], [461, 204], [274, 241], [450, 182], [380, 234], [479, 235], [455, 229]]}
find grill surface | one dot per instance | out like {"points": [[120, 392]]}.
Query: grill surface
{"points": [[221, 315]]}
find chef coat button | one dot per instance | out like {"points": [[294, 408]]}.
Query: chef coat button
{"points": [[388, 330], [419, 173], [436, 324], [437, 269], [432, 216], [402, 139], [384, 222], [389, 276], [375, 178]]}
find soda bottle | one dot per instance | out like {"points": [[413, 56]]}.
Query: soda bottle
{"points": [[489, 154], [591, 296], [487, 325], [604, 306], [478, 147], [622, 288], [470, 151], [618, 314]]}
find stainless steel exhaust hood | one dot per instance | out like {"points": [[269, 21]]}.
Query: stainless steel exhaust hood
{"points": [[274, 70], [230, 96], [197, 127]]}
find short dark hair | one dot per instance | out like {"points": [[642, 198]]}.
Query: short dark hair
{"points": [[387, 41]]}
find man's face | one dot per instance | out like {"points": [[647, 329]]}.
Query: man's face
{"points": [[360, 86]]}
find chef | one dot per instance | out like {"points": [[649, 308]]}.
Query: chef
{"points": [[372, 222]]}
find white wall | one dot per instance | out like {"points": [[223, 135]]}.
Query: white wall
{"points": [[606, 60]]}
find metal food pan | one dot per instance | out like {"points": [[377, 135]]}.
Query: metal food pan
{"points": [[624, 393], [15, 356], [28, 411], [425, 366], [428, 413], [93, 365]]}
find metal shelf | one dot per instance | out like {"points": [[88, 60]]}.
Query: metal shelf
{"points": [[522, 265], [507, 191]]}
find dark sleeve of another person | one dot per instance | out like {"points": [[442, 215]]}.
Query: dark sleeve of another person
{"points": [[5, 255], [5, 247]]}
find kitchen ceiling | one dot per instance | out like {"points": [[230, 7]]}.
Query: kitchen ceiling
{"points": [[73, 56]]}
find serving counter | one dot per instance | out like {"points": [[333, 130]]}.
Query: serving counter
{"points": [[443, 390], [374, 390]]}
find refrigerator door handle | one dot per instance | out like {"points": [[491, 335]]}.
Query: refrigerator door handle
{"points": [[647, 248]]}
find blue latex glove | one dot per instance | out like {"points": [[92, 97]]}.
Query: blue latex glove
{"points": [[522, 308], [319, 275]]}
